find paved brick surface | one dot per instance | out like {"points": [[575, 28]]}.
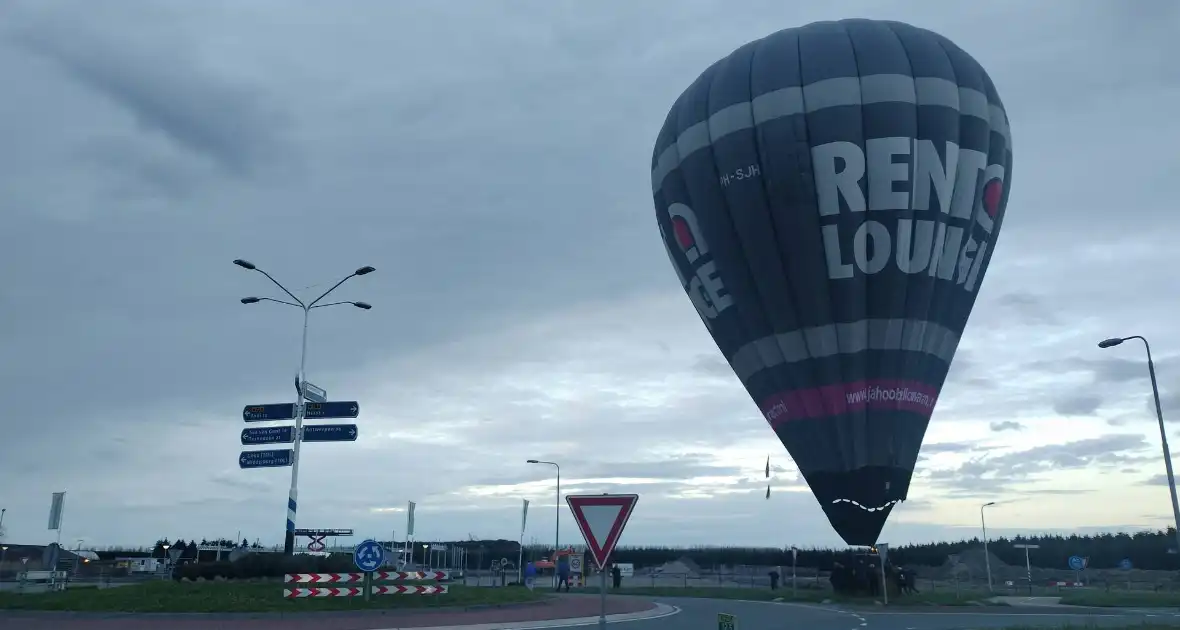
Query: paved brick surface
{"points": [[559, 608]]}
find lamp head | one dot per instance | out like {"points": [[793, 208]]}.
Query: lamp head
{"points": [[245, 264], [1110, 343]]}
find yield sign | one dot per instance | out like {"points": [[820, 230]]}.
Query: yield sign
{"points": [[602, 517]]}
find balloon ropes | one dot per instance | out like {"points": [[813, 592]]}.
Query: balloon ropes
{"points": [[830, 197]]}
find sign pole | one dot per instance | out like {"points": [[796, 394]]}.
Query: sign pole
{"points": [[794, 563], [602, 599], [300, 407], [368, 586]]}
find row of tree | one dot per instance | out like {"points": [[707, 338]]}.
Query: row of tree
{"points": [[1154, 550]]}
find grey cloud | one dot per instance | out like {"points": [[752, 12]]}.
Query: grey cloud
{"points": [[1006, 425], [948, 447], [1156, 480], [1081, 404], [1030, 308], [231, 124], [993, 473], [714, 365]]}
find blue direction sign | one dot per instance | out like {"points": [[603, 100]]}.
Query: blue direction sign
{"points": [[329, 433], [1077, 563], [368, 556], [268, 435], [275, 458], [276, 411], [333, 409]]}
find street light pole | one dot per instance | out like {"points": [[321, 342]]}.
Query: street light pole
{"points": [[557, 515], [1159, 414], [293, 494], [987, 559]]}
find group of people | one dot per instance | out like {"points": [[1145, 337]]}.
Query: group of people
{"points": [[860, 576], [564, 574]]}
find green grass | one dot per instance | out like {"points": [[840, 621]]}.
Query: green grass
{"points": [[942, 598], [1122, 599], [212, 597]]}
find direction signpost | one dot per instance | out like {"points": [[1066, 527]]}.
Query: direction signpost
{"points": [[329, 432], [272, 458], [331, 409], [602, 519], [268, 435], [273, 411], [1028, 563]]}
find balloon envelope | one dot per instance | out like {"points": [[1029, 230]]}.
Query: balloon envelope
{"points": [[830, 197]]}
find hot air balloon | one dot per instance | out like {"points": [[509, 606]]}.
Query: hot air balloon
{"points": [[830, 197]]}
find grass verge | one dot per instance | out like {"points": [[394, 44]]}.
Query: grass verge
{"points": [[966, 598], [220, 597]]}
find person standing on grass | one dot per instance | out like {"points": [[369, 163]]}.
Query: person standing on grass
{"points": [[563, 574]]}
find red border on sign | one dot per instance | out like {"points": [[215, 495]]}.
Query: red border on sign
{"points": [[602, 550]]}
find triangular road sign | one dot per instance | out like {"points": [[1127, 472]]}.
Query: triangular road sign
{"points": [[602, 517]]}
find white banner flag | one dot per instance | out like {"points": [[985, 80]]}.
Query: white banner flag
{"points": [[524, 518], [410, 521], [55, 510]]}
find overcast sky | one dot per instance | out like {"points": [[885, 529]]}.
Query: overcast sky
{"points": [[492, 161]]}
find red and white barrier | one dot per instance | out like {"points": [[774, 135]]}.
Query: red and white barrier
{"points": [[378, 576], [410, 589], [353, 591], [294, 593], [322, 578], [395, 576]]}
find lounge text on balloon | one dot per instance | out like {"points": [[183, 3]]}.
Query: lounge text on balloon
{"points": [[966, 189]]}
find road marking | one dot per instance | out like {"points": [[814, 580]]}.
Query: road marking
{"points": [[661, 611]]}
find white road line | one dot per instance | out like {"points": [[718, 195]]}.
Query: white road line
{"points": [[662, 611]]}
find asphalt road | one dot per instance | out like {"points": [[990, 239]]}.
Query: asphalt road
{"points": [[701, 614]]}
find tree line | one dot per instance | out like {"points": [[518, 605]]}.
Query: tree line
{"points": [[1153, 550]]}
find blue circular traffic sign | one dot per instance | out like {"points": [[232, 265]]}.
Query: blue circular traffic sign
{"points": [[1077, 563], [368, 556], [1125, 564]]}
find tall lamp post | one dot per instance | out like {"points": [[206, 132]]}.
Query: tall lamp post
{"points": [[557, 515], [293, 495], [1159, 414], [987, 559]]}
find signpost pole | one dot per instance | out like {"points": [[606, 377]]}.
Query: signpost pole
{"points": [[293, 495], [794, 563], [368, 586], [602, 598]]}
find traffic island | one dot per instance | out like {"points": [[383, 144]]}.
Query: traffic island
{"points": [[230, 606], [253, 597]]}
